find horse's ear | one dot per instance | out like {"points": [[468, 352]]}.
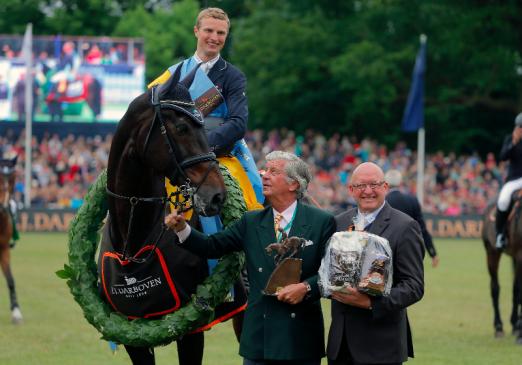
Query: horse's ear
{"points": [[171, 83], [187, 81], [175, 90]]}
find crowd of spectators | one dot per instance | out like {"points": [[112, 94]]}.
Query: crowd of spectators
{"points": [[64, 168]]}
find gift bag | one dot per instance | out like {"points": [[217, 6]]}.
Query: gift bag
{"points": [[376, 267], [356, 259]]}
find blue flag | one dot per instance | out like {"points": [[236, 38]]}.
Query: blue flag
{"points": [[413, 117]]}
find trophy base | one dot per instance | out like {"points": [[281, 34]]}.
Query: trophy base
{"points": [[286, 273]]}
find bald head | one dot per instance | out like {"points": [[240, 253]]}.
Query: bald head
{"points": [[367, 168], [368, 187]]}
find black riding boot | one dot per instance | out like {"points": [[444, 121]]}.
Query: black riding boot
{"points": [[500, 225]]}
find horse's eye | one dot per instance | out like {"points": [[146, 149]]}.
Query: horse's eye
{"points": [[182, 128]]}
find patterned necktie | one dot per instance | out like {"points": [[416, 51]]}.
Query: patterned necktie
{"points": [[277, 222]]}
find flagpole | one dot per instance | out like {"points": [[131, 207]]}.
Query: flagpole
{"points": [[420, 165], [421, 149], [28, 58]]}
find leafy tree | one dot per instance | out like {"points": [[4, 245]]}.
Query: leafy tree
{"points": [[15, 14], [346, 66], [287, 69], [80, 17]]}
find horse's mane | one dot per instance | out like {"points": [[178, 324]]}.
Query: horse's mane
{"points": [[136, 112]]}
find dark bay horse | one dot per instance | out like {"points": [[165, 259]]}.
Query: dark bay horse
{"points": [[514, 250], [161, 135], [7, 180]]}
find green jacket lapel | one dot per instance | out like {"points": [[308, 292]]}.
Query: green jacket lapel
{"points": [[266, 233], [301, 224]]}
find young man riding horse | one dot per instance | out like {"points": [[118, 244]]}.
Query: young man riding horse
{"points": [[512, 152], [219, 91]]}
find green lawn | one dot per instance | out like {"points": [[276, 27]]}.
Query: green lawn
{"points": [[451, 325]]}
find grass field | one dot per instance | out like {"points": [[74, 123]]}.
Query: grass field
{"points": [[452, 325]]}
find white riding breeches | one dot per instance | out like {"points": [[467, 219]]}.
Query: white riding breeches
{"points": [[13, 207], [504, 198]]}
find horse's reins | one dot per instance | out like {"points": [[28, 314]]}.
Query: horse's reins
{"points": [[186, 191], [133, 201]]}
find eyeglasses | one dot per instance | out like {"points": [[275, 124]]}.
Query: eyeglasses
{"points": [[273, 171], [372, 185]]}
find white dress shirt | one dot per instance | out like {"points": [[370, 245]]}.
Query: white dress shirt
{"points": [[363, 220], [287, 214], [206, 66]]}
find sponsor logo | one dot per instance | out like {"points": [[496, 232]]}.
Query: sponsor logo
{"points": [[134, 288]]}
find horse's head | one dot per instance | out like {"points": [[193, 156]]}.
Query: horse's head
{"points": [[166, 135]]}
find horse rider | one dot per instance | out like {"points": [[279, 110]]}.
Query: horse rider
{"points": [[219, 92], [7, 166], [512, 152]]}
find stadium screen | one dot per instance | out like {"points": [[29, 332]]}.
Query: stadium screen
{"points": [[76, 79]]}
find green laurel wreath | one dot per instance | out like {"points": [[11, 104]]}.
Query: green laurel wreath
{"points": [[82, 276]]}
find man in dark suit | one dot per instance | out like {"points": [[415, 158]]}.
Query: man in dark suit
{"points": [[409, 204], [286, 328], [375, 330]]}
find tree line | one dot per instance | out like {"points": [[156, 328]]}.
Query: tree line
{"points": [[333, 65]]}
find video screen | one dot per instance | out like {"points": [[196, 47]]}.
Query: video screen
{"points": [[75, 79]]}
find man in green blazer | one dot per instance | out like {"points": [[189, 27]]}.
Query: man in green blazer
{"points": [[286, 328]]}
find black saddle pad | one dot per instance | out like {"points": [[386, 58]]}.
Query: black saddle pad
{"points": [[160, 285], [139, 290]]}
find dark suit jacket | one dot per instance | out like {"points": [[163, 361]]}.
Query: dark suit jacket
{"points": [[382, 334], [273, 330], [410, 205], [232, 84], [513, 154]]}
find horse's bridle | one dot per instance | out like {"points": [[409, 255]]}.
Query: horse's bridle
{"points": [[185, 191], [187, 108], [182, 198]]}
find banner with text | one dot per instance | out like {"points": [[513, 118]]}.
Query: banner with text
{"points": [[52, 220]]}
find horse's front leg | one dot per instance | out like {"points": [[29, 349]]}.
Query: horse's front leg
{"points": [[518, 275], [141, 355], [16, 314], [190, 349], [516, 304], [493, 258]]}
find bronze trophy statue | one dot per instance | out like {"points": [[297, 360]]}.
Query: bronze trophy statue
{"points": [[288, 267]]}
